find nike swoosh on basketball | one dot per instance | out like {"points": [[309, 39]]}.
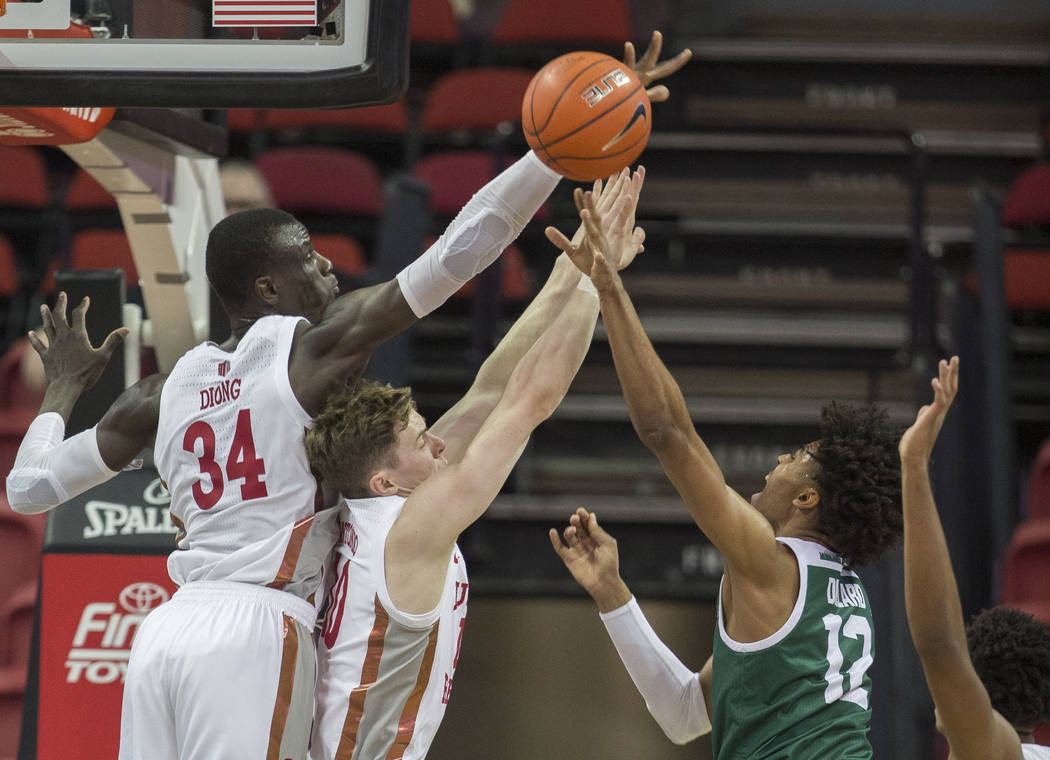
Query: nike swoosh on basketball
{"points": [[639, 113]]}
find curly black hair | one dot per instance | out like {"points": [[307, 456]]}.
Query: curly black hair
{"points": [[1010, 651], [859, 481]]}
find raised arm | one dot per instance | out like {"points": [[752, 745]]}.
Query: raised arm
{"points": [[661, 418], [460, 424], [419, 544], [50, 469], [339, 346], [973, 728], [675, 696], [357, 323]]}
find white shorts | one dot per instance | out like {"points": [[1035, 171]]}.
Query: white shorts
{"points": [[223, 670]]}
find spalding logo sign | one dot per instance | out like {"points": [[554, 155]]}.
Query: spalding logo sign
{"points": [[107, 518]]}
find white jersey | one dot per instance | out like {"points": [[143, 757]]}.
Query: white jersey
{"points": [[230, 449], [1035, 752], [384, 676]]}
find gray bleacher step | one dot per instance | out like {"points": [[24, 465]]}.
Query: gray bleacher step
{"points": [[855, 200], [721, 410], [680, 288], [764, 382], [853, 329], [1011, 143], [876, 330], [739, 49], [701, 111], [610, 508], [916, 27]]}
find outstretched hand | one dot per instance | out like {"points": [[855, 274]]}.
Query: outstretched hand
{"points": [[591, 556], [66, 350], [614, 206], [649, 68], [917, 441]]}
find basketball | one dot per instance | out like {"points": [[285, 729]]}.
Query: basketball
{"points": [[586, 115]]}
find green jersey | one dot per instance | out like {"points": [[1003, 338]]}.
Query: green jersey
{"points": [[802, 693]]}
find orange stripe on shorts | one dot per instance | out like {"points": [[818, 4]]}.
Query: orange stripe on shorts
{"points": [[285, 686], [369, 673], [406, 725]]}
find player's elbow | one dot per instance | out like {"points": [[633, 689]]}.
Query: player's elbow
{"points": [[29, 493], [681, 734], [658, 433], [540, 404]]}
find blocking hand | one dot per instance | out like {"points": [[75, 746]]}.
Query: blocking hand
{"points": [[649, 68], [615, 202], [66, 350], [917, 441]]}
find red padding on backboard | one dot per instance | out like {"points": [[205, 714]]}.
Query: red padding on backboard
{"points": [[51, 126]]}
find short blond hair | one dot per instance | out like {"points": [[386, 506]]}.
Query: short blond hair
{"points": [[356, 434]]}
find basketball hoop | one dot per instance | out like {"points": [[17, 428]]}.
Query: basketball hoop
{"points": [[50, 126]]}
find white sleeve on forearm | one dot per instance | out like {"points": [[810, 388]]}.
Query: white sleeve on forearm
{"points": [[49, 470], [671, 691], [492, 218]]}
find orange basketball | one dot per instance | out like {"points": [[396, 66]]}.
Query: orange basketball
{"points": [[586, 115]]}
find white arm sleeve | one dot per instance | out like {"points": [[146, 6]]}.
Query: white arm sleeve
{"points": [[671, 691], [490, 221], [49, 470]]}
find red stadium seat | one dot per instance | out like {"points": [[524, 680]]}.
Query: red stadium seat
{"points": [[12, 691], [1026, 278], [15, 394], [21, 538], [23, 178], [452, 101], [1028, 202], [454, 176], [86, 194], [1039, 609], [559, 22], [343, 251], [16, 621], [322, 179], [433, 23], [1027, 564], [243, 120], [392, 118], [103, 249], [8, 269], [1039, 484]]}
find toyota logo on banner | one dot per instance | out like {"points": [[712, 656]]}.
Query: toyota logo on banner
{"points": [[140, 598]]}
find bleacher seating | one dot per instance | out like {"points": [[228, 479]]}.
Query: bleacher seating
{"points": [[1027, 563], [12, 689], [315, 179], [547, 22], [16, 623], [1039, 484], [21, 539]]}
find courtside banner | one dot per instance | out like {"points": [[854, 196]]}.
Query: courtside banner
{"points": [[90, 610], [264, 12]]}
